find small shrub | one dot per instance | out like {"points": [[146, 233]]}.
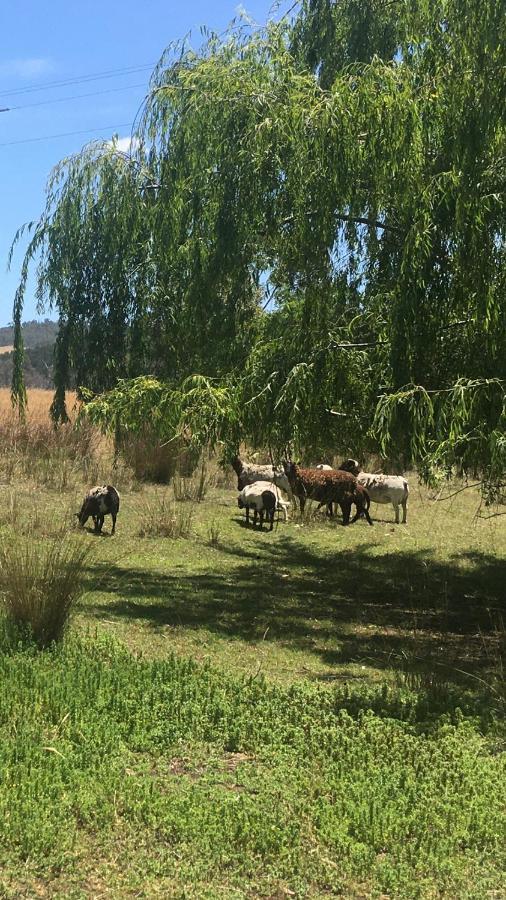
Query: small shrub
{"points": [[155, 461], [213, 533], [40, 583], [161, 516]]}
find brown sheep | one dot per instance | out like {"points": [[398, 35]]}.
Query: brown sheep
{"points": [[326, 488]]}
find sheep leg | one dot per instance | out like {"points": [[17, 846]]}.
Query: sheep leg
{"points": [[404, 504], [113, 516], [362, 511], [255, 518], [396, 507], [346, 509]]}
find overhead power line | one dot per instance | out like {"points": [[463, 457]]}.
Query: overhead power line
{"points": [[125, 87], [111, 73], [50, 137]]}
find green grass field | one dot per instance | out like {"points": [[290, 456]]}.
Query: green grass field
{"points": [[312, 712]]}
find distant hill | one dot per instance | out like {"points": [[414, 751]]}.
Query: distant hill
{"points": [[34, 333], [39, 338]]}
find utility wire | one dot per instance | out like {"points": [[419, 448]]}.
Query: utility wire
{"points": [[50, 137], [74, 97], [111, 73]]}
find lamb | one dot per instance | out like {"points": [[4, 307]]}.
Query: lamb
{"points": [[99, 502], [328, 487], [262, 497], [249, 473], [392, 489]]}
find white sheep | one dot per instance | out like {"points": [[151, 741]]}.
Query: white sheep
{"points": [[392, 489], [249, 473], [262, 497]]}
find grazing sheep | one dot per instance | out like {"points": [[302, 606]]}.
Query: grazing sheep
{"points": [[100, 501], [323, 467], [248, 473], [392, 489], [328, 487], [262, 497]]}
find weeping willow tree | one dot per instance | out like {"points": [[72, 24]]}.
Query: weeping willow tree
{"points": [[313, 218], [92, 245]]}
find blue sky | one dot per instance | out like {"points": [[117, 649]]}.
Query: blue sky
{"points": [[43, 43]]}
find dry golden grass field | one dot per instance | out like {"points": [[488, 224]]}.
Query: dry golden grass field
{"points": [[39, 401]]}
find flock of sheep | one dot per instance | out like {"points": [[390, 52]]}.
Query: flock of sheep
{"points": [[260, 490]]}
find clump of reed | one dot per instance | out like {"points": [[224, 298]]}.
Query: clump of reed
{"points": [[41, 582], [162, 516]]}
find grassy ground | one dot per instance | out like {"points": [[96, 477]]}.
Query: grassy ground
{"points": [[313, 601], [337, 732]]}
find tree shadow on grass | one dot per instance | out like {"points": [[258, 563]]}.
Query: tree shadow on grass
{"points": [[388, 611]]}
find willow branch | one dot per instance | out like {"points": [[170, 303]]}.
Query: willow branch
{"points": [[358, 220]]}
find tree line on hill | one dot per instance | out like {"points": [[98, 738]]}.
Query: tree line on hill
{"points": [[304, 245], [39, 339]]}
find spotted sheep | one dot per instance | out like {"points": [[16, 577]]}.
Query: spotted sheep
{"points": [[328, 487], [392, 489], [248, 473], [262, 497], [99, 502]]}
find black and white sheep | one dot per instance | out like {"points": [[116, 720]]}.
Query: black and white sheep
{"points": [[100, 501], [262, 497], [248, 473], [392, 489]]}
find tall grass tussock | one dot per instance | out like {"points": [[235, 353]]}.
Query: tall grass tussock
{"points": [[41, 582], [162, 516]]}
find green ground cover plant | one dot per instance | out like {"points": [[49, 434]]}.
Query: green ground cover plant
{"points": [[233, 782]]}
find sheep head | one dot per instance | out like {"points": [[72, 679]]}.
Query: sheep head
{"points": [[350, 465]]}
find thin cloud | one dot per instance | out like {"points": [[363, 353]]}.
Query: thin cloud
{"points": [[125, 144], [32, 67]]}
